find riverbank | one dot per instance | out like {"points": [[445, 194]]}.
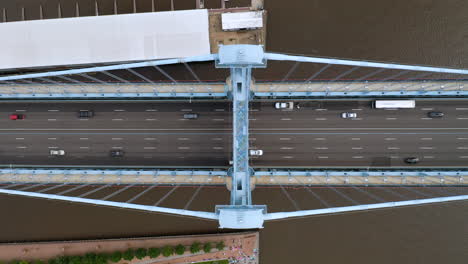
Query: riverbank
{"points": [[239, 248]]}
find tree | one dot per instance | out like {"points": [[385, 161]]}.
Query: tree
{"points": [[23, 262], [195, 247], [220, 245], [207, 247], [154, 252], [39, 262], [167, 251], [141, 253], [101, 258], [116, 256], [179, 249], [129, 254], [52, 261], [75, 260]]}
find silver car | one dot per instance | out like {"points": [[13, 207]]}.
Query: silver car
{"points": [[256, 152], [348, 115], [57, 152]]}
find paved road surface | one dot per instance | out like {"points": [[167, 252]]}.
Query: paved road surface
{"points": [[155, 134]]}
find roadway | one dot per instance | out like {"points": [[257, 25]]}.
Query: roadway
{"points": [[155, 134]]}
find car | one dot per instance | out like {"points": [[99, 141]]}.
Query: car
{"points": [[57, 152], [348, 115], [117, 153], [411, 160], [17, 117], [85, 113], [256, 152], [284, 105], [435, 114], [190, 116]]}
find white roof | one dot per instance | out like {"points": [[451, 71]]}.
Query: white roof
{"points": [[99, 39], [238, 20]]}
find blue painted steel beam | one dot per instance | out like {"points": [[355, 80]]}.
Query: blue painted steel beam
{"points": [[109, 95], [398, 173]]}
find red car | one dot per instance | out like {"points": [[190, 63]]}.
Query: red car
{"points": [[17, 117]]}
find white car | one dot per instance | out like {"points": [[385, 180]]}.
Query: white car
{"points": [[284, 105], [256, 152], [348, 115], [57, 152]]}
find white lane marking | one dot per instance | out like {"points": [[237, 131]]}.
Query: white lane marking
{"points": [[150, 119], [149, 148], [287, 157], [220, 110], [117, 138], [390, 109], [322, 157], [462, 118], [182, 119], [427, 109], [253, 110], [394, 157], [358, 118], [183, 147], [285, 119], [253, 139], [321, 109], [462, 147], [357, 148], [83, 119], [357, 109], [428, 157], [462, 138], [426, 138], [461, 108], [252, 119], [426, 147], [52, 138], [320, 138], [147, 157], [218, 119], [20, 156], [21, 147], [117, 147], [320, 119], [53, 147], [183, 139], [390, 138], [84, 147], [286, 148], [150, 138], [426, 118], [285, 138], [52, 119], [186, 110], [83, 138], [21, 110], [393, 148], [117, 119], [321, 148], [151, 110], [19, 138], [355, 138], [391, 118], [218, 148], [119, 110], [217, 139], [53, 110], [463, 157], [357, 157]]}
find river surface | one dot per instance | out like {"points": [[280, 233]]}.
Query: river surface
{"points": [[411, 31]]}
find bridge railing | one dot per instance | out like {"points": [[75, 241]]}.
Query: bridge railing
{"points": [[288, 76], [186, 78]]}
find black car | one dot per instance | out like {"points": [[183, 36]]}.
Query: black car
{"points": [[117, 153], [435, 114], [411, 160], [85, 113]]}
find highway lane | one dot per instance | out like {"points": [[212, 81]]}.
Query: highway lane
{"points": [[155, 134]]}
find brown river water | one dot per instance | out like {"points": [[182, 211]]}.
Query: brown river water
{"points": [[411, 31]]}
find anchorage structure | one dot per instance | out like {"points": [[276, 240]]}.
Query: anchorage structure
{"points": [[321, 77]]}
